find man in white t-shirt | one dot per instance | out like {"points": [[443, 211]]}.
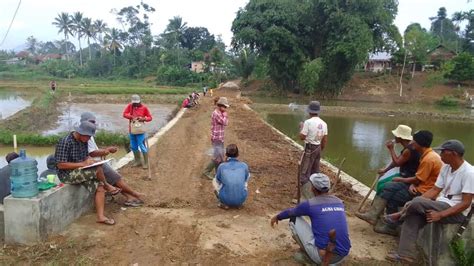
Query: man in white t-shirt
{"points": [[449, 201], [314, 132]]}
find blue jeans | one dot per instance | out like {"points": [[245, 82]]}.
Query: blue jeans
{"points": [[138, 141]]}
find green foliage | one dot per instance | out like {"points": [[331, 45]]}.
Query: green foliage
{"points": [[443, 28], [99, 67], [461, 68], [417, 42], [462, 255], [448, 101], [102, 138], [434, 78], [61, 68], [309, 77], [290, 33], [245, 63], [175, 75], [130, 90]]}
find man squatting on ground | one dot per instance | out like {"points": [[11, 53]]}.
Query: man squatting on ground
{"points": [[71, 155], [133, 198], [230, 183], [314, 132], [219, 121], [326, 213], [137, 111], [448, 201], [398, 192]]}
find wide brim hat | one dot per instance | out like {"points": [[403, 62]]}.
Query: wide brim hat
{"points": [[86, 128], [403, 132], [223, 101], [314, 107]]}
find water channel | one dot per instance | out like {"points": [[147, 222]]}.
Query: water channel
{"points": [[360, 139], [12, 102]]}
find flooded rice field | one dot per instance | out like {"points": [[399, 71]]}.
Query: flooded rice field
{"points": [[12, 102]]}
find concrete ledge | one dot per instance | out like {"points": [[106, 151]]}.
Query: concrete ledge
{"points": [[31, 220], [2, 223], [434, 239]]}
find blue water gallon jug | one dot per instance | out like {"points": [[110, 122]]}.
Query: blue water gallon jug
{"points": [[24, 176]]}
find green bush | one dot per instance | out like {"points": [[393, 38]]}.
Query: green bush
{"points": [[448, 101], [309, 77], [461, 68], [61, 68], [175, 75]]}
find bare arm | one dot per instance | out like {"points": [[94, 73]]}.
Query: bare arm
{"points": [[434, 216], [302, 136], [402, 159], [72, 166], [432, 193], [324, 142], [408, 180]]}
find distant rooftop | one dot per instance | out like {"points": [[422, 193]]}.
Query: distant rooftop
{"points": [[382, 56]]}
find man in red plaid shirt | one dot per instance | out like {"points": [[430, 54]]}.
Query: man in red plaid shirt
{"points": [[219, 121]]}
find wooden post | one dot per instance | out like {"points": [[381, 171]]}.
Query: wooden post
{"points": [[15, 146]]}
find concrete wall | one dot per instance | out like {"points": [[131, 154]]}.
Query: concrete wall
{"points": [[31, 220], [434, 239]]}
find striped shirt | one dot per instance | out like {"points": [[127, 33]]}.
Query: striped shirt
{"points": [[218, 122]]}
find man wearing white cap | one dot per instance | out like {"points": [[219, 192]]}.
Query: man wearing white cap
{"points": [[326, 213]]}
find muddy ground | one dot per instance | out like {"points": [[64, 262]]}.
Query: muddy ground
{"points": [[181, 223]]}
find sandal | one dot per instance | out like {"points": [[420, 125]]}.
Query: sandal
{"points": [[133, 203], [395, 257], [107, 221], [115, 191]]}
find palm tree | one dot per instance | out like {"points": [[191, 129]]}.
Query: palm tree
{"points": [[113, 38], [88, 31], [100, 28], [176, 28], [77, 29], [64, 23]]}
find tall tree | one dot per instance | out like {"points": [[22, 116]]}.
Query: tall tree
{"points": [[89, 31], [78, 30], [113, 38], [175, 30], [197, 38], [100, 28], [418, 42], [64, 24], [444, 29], [32, 44]]}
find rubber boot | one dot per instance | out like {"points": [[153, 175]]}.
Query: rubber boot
{"points": [[384, 228], [207, 172], [145, 160], [138, 160], [378, 206]]}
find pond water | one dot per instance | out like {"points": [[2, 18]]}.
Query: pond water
{"points": [[360, 139], [12, 102], [41, 153], [108, 116]]}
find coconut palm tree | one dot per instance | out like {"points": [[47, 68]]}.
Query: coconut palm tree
{"points": [[100, 28], [77, 29], [64, 23], [176, 28], [89, 31], [113, 39]]}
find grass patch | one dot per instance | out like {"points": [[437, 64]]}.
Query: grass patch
{"points": [[102, 138], [434, 78], [128, 90], [448, 101]]}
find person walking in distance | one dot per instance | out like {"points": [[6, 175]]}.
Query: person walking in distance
{"points": [[219, 121], [314, 132], [137, 113]]}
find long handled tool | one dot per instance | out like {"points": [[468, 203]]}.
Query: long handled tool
{"points": [[149, 158], [370, 191], [299, 178]]}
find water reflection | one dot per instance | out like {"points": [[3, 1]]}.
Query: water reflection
{"points": [[11, 103], [108, 117], [361, 139]]}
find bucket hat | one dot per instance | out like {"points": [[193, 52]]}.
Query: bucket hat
{"points": [[403, 132], [86, 128], [314, 107], [223, 101], [87, 116], [136, 98]]}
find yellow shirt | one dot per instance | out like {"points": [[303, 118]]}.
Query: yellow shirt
{"points": [[428, 171]]}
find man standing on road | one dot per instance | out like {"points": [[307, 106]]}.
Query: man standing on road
{"points": [[71, 156], [314, 132], [219, 121], [448, 201], [327, 214]]}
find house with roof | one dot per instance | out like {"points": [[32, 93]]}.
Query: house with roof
{"points": [[378, 62], [439, 55]]}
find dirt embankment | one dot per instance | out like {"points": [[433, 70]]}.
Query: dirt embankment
{"points": [[181, 223]]}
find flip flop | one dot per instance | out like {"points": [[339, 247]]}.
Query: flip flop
{"points": [[395, 257], [115, 192], [108, 221], [389, 220], [134, 203]]}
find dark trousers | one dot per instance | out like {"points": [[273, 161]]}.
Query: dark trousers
{"points": [[310, 162], [415, 220], [396, 194]]}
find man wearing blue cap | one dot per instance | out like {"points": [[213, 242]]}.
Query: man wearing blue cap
{"points": [[326, 213]]}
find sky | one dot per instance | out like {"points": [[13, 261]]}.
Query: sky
{"points": [[34, 17]]}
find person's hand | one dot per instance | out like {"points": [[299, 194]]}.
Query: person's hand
{"points": [[141, 119], [88, 161], [274, 221], [433, 216], [412, 189], [112, 149], [301, 125], [390, 144], [397, 179], [381, 171]]}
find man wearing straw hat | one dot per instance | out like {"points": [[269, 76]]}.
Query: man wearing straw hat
{"points": [[219, 121], [314, 133]]}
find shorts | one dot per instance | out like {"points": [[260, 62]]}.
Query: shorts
{"points": [[111, 176], [85, 177], [218, 152]]}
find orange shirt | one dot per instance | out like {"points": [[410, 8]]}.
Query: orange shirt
{"points": [[428, 171]]}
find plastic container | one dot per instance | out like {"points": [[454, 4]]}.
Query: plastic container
{"points": [[24, 176]]}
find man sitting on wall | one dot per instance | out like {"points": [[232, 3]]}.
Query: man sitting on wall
{"points": [[448, 201]]}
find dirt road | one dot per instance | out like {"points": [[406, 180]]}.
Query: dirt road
{"points": [[181, 223]]}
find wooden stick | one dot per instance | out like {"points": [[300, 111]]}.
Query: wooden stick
{"points": [[149, 161], [15, 144], [338, 175], [370, 191], [299, 178]]}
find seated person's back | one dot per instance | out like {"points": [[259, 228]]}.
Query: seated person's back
{"points": [[5, 172], [232, 177], [51, 164]]}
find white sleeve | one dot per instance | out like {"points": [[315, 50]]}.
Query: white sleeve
{"points": [[325, 129], [468, 184], [440, 181], [305, 129], [91, 145]]}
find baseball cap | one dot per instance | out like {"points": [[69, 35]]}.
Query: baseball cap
{"points": [[86, 128], [320, 181], [135, 98], [452, 145]]}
